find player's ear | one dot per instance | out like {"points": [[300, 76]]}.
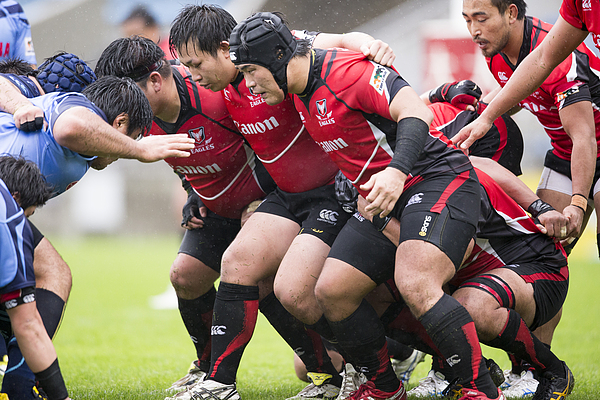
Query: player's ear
{"points": [[121, 122], [155, 80]]}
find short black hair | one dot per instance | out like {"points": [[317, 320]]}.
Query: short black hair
{"points": [[115, 96], [16, 66], [134, 57], [502, 6], [24, 181], [142, 13], [205, 25]]}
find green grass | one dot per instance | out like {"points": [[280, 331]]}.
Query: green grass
{"points": [[112, 345]]}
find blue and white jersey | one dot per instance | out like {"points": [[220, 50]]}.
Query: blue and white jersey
{"points": [[24, 83], [61, 166], [15, 33], [16, 245]]}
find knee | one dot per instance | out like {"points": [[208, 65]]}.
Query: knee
{"points": [[328, 293]]}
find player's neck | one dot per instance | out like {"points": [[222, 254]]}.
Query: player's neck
{"points": [[171, 105], [515, 42], [297, 74]]}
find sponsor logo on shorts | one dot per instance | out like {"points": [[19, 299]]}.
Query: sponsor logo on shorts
{"points": [[359, 216], [328, 216], [415, 199], [316, 230], [218, 330], [194, 339], [380, 74], [299, 351], [425, 226], [453, 360]]}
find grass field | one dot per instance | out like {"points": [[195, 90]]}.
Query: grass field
{"points": [[112, 345]]}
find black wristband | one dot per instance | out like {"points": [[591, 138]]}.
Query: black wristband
{"points": [[51, 381], [381, 223], [539, 207], [411, 135]]}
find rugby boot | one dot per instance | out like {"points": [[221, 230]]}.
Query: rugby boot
{"points": [[554, 387], [351, 382], [194, 375], [431, 386], [520, 386], [367, 391], [208, 390], [404, 368], [318, 388]]}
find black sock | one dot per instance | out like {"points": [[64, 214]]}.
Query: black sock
{"points": [[234, 319], [197, 318], [322, 328], [362, 336], [398, 350], [51, 308], [402, 326], [307, 344], [453, 332], [517, 339]]}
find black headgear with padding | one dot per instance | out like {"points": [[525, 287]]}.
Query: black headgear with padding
{"points": [[263, 39]]}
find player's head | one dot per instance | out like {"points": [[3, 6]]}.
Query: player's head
{"points": [[137, 58], [25, 182], [16, 66], [141, 22], [492, 22], [200, 36], [121, 96], [263, 41], [64, 72]]}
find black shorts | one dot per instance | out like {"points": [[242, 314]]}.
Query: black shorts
{"points": [[424, 214], [37, 235], [442, 210], [564, 167], [207, 244], [317, 211], [550, 285]]}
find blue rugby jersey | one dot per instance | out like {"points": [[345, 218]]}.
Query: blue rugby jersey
{"points": [[61, 166], [15, 33]]}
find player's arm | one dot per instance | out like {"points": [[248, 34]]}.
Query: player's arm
{"points": [[552, 222], [376, 50], [561, 41], [578, 122], [84, 132], [24, 112], [413, 118], [389, 226]]}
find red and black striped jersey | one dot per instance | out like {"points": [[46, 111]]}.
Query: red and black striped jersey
{"points": [[584, 15], [276, 134], [222, 168], [575, 79], [345, 107], [507, 235], [503, 143]]}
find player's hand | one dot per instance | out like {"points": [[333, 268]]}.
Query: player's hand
{"points": [[462, 94], [193, 212], [379, 52], [361, 205], [155, 148], [575, 216], [29, 118], [249, 210], [385, 187], [553, 223], [470, 133]]}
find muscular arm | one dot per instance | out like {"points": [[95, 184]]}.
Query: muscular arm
{"points": [[562, 40], [578, 121], [375, 50], [385, 187], [84, 132], [12, 101]]}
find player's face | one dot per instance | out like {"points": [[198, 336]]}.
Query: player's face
{"points": [[260, 81], [211, 72], [488, 28], [29, 211]]}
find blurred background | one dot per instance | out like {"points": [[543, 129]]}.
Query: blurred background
{"points": [[429, 38]]}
